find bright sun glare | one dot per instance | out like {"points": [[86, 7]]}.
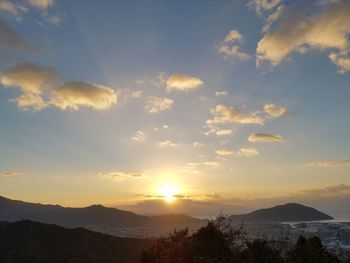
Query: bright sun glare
{"points": [[168, 192]]}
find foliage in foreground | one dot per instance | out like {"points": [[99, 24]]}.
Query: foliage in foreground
{"points": [[220, 243]]}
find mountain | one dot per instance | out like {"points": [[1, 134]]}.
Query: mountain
{"points": [[95, 215], [27, 241], [290, 212]]}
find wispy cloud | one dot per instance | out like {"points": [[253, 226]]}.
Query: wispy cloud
{"points": [[10, 39], [183, 82], [330, 164], [41, 4], [330, 190], [220, 93], [224, 152], [10, 174], [168, 143], [223, 114], [275, 111], [15, 10], [248, 152], [139, 136], [299, 30], [75, 94], [157, 104], [264, 137], [39, 89], [230, 46], [121, 176], [263, 5]]}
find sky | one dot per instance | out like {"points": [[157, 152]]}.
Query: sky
{"points": [[164, 106]]}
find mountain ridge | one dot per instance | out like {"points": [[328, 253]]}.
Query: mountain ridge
{"points": [[94, 215], [289, 212]]}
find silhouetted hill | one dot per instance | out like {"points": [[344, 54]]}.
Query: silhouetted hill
{"points": [[28, 241], [283, 213], [95, 215]]}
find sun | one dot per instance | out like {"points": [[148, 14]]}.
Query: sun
{"points": [[168, 192]]}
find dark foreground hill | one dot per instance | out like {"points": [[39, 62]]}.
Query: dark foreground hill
{"points": [[28, 242], [95, 215], [291, 212]]}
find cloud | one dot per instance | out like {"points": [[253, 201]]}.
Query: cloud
{"points": [[329, 191], [223, 114], [139, 136], [157, 104], [10, 39], [183, 82], [121, 176], [75, 94], [33, 82], [211, 163], [198, 144], [230, 48], [275, 111], [220, 93], [223, 132], [168, 143], [261, 5], [39, 89], [15, 10], [163, 127], [224, 152], [136, 94], [263, 137], [248, 152], [330, 164], [10, 174], [41, 4], [299, 31]]}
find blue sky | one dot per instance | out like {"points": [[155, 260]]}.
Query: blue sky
{"points": [[224, 104]]}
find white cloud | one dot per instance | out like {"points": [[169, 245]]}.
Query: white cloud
{"points": [[39, 89], [223, 114], [262, 5], [230, 46], [220, 93], [121, 176], [198, 144], [75, 94], [263, 137], [157, 104], [168, 143], [224, 152], [136, 94], [182, 82], [330, 164], [275, 111], [139, 136], [41, 4], [300, 31], [33, 82], [223, 132], [248, 152]]}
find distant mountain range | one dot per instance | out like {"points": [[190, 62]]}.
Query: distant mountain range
{"points": [[95, 215], [290, 212], [27, 241], [103, 219]]}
